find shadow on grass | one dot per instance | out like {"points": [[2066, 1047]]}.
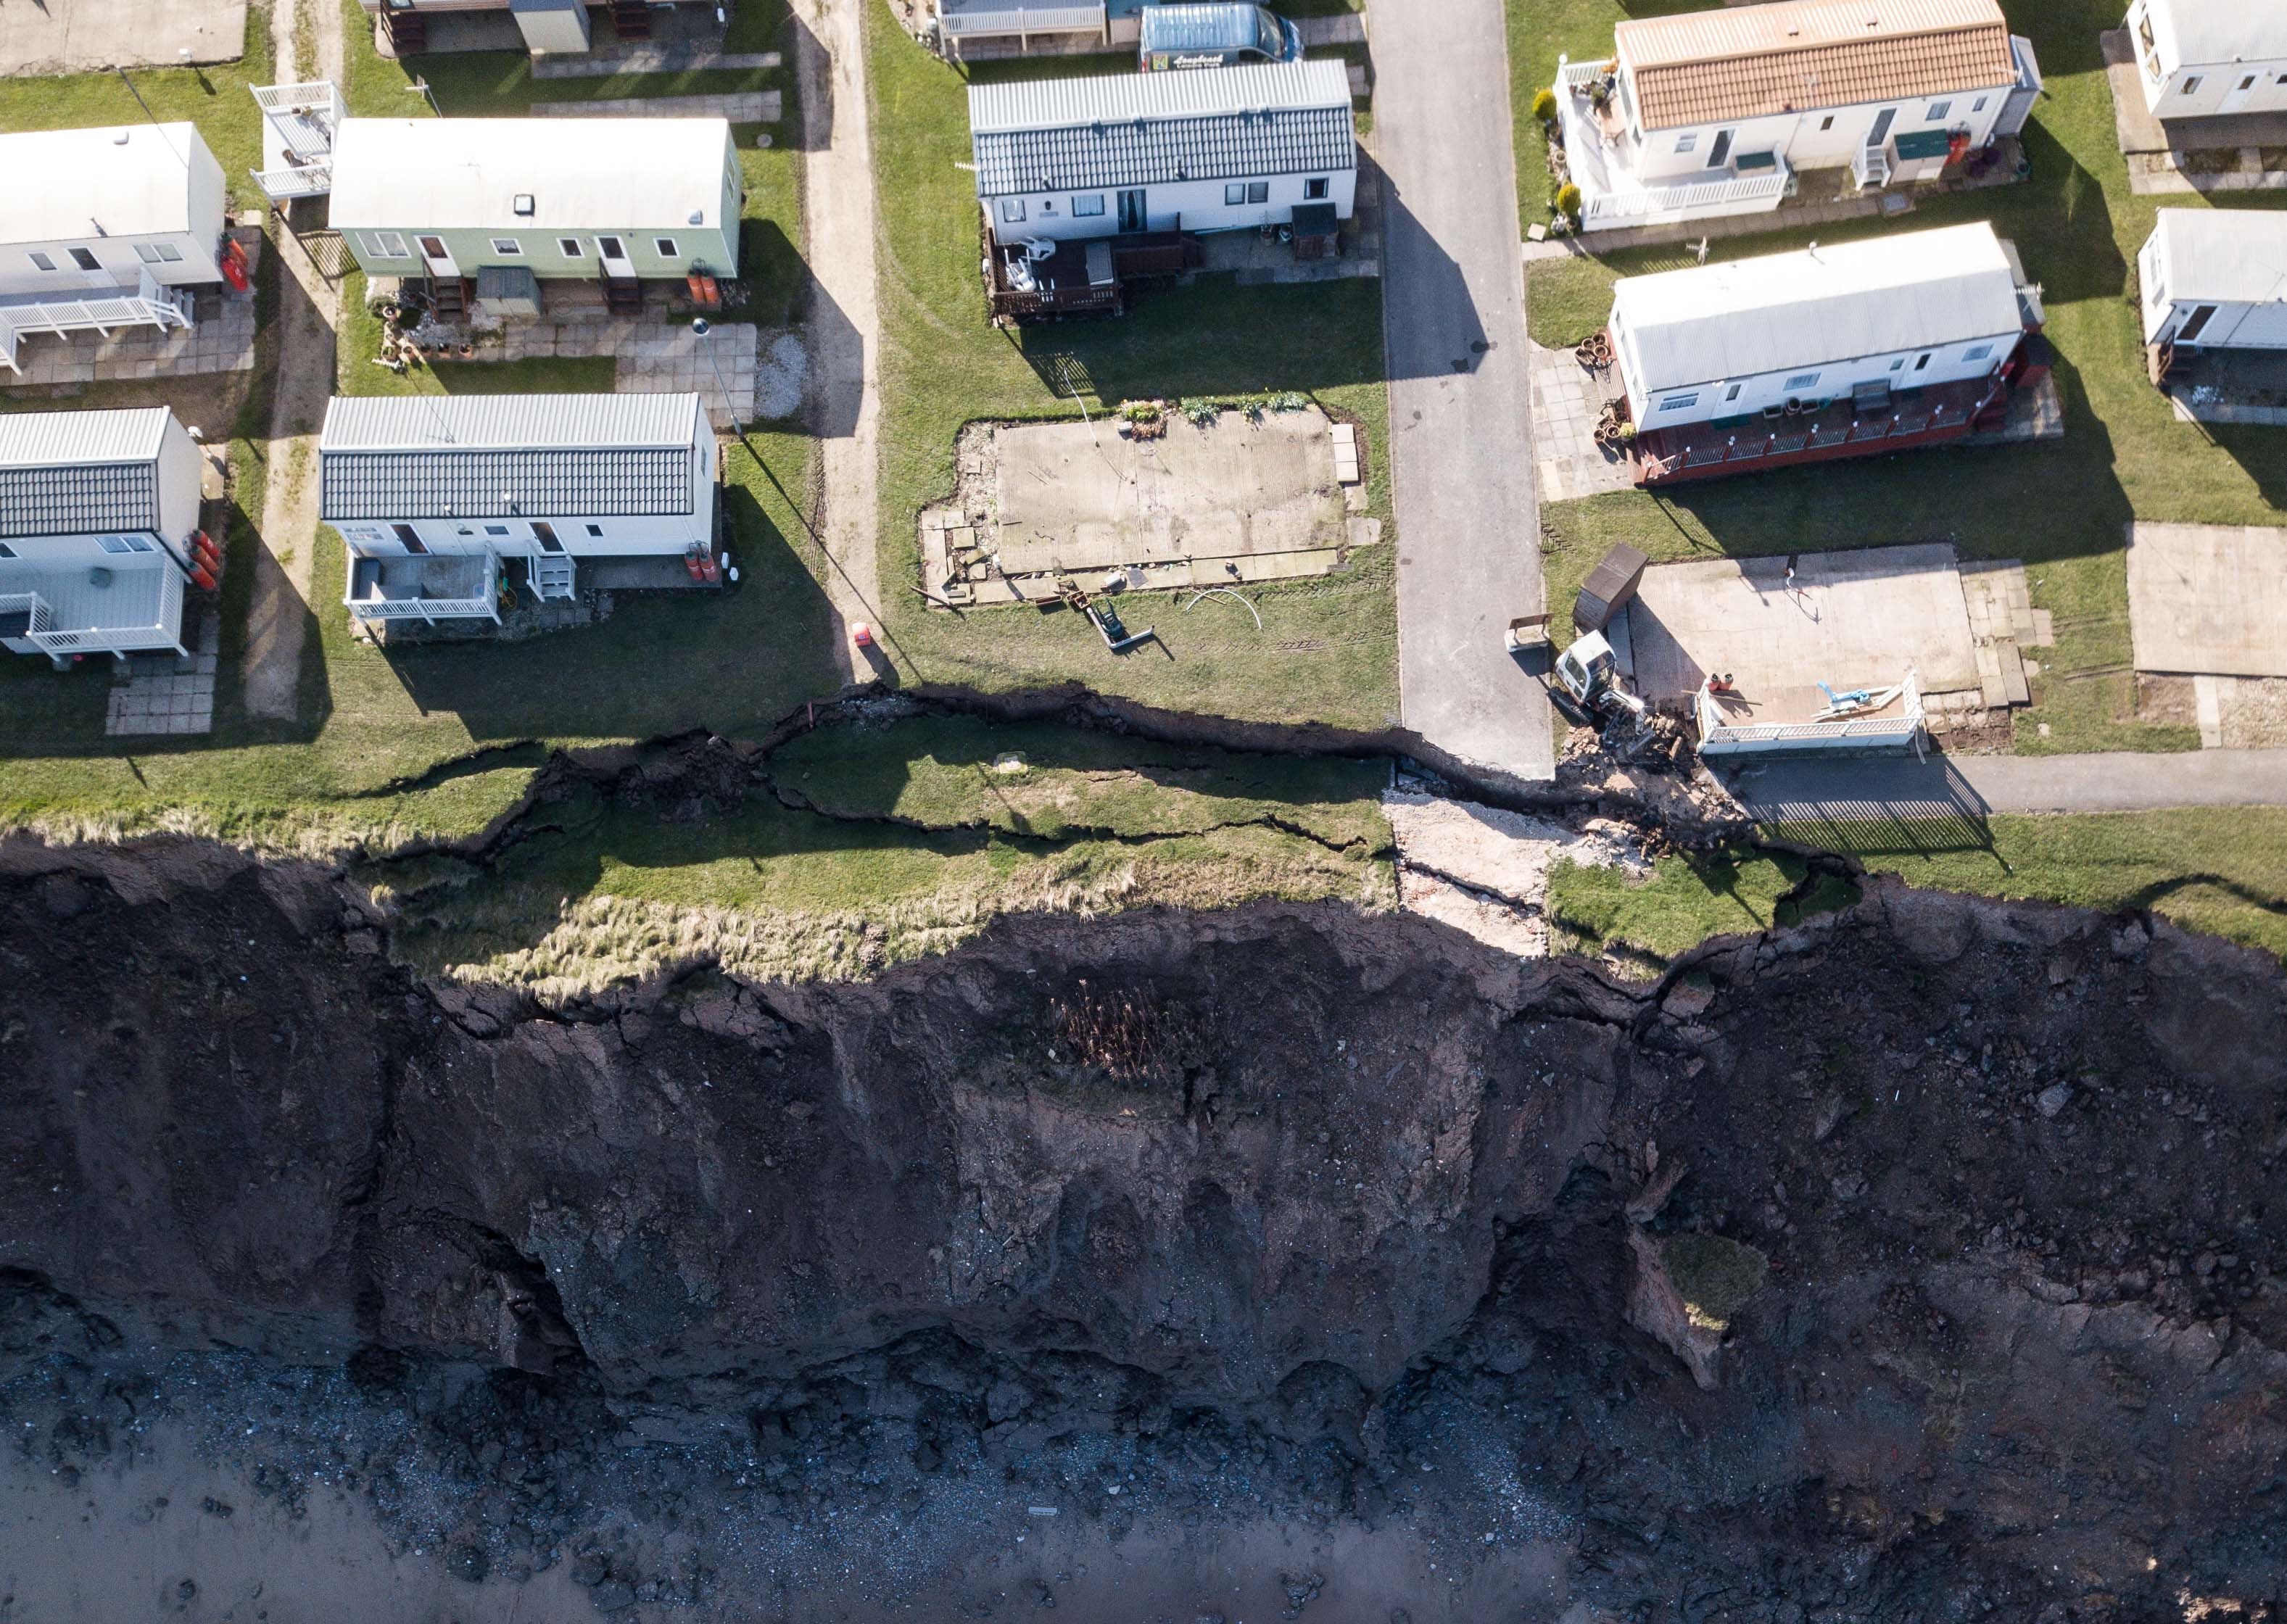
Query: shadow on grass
{"points": [[663, 662], [1868, 805]]}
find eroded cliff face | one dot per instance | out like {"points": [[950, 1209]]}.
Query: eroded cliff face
{"points": [[1286, 1202]]}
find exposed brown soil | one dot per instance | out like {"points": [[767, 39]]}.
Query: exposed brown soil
{"points": [[1277, 1230]]}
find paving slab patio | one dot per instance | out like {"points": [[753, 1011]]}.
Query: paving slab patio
{"points": [[1567, 398], [1858, 619], [2208, 599]]}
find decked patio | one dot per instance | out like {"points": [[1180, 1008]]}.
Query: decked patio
{"points": [[427, 587], [1604, 157], [1899, 422], [63, 614]]}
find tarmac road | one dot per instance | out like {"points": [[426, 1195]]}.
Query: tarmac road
{"points": [[1453, 326]]}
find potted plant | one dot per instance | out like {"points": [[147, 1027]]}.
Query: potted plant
{"points": [[1568, 203], [1544, 105]]}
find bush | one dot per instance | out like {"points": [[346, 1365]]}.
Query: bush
{"points": [[1202, 412], [1544, 105], [1568, 201]]}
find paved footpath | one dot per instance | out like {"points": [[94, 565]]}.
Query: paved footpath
{"points": [[1970, 786], [1469, 527]]}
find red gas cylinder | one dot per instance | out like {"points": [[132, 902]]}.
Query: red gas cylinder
{"points": [[233, 267], [202, 578], [202, 545]]}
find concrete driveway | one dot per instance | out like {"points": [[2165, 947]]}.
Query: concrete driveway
{"points": [[1454, 323]]}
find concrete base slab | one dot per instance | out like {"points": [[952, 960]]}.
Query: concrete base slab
{"points": [[1851, 620], [1235, 502], [72, 36], [2208, 599]]}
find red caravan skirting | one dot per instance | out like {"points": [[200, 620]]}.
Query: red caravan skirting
{"points": [[1927, 417]]}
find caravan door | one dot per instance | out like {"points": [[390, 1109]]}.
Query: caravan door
{"points": [[2242, 89], [613, 252], [438, 258]]}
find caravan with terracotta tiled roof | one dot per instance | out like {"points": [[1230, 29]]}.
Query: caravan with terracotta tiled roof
{"points": [[1728, 112]]}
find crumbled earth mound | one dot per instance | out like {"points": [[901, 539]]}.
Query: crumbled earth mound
{"points": [[1284, 1213]]}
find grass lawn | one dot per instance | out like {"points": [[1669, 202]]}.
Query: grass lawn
{"points": [[1645, 923], [1328, 649], [933, 834], [2222, 870], [215, 99], [2061, 507]]}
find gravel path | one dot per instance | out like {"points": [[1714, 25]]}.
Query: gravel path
{"points": [[845, 383], [280, 618]]}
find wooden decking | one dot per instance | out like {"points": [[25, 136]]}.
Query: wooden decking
{"points": [[1083, 278], [1905, 421]]}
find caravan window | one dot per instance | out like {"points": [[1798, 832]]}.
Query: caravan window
{"points": [[1314, 190], [1676, 403], [1937, 110], [2192, 85], [1687, 143], [84, 260], [1802, 380], [1086, 205], [507, 246], [1976, 352], [1012, 210], [569, 246], [1234, 195], [1979, 105], [42, 262], [158, 253], [386, 245]]}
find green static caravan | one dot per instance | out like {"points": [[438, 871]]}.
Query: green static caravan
{"points": [[600, 199]]}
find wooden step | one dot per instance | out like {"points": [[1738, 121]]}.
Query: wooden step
{"points": [[631, 19], [408, 31]]}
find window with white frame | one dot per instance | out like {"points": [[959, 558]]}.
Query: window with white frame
{"points": [[7, 551], [84, 260], [2192, 85], [571, 248], [1898, 365], [1938, 110], [1802, 380], [1732, 393], [1258, 191], [495, 529], [125, 543], [595, 529], [1976, 352], [1687, 143], [507, 245], [1676, 403], [1979, 105], [1314, 189], [1234, 194], [665, 248], [158, 253], [1012, 210], [1086, 205], [42, 262], [386, 245], [1826, 123]]}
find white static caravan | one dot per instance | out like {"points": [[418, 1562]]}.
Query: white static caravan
{"points": [[1232, 149], [432, 493], [101, 229], [97, 513], [1713, 112], [1752, 335], [2205, 59], [2215, 278], [618, 200]]}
